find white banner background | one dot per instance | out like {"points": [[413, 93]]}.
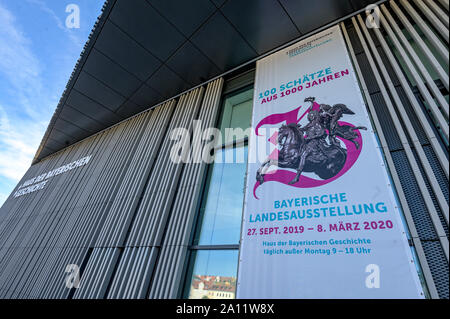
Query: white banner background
{"points": [[344, 272]]}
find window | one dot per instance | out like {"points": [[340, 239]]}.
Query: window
{"points": [[221, 209], [214, 252]]}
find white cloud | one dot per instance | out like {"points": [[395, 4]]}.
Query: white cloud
{"points": [[23, 121], [17, 62], [72, 36], [31, 85], [3, 198], [18, 143]]}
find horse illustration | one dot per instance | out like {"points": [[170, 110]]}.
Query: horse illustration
{"points": [[305, 154], [314, 147], [330, 115]]}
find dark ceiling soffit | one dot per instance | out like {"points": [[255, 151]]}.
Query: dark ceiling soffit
{"points": [[96, 29], [106, 10]]}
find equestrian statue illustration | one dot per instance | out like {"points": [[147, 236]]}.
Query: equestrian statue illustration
{"points": [[314, 147]]}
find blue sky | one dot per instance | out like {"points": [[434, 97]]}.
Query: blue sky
{"points": [[37, 55]]}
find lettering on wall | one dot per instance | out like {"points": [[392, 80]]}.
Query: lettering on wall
{"points": [[37, 183]]}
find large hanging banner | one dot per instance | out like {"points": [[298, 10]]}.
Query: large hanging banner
{"points": [[320, 216]]}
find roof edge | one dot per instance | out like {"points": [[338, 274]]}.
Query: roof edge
{"points": [[98, 25]]}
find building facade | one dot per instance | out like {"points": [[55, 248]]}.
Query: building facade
{"points": [[103, 211]]}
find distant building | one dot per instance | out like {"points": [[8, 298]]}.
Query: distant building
{"points": [[212, 287]]}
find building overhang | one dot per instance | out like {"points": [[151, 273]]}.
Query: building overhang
{"points": [[142, 52]]}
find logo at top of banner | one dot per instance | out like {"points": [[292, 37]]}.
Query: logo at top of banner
{"points": [[313, 148]]}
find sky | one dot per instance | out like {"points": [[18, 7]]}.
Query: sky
{"points": [[38, 52]]}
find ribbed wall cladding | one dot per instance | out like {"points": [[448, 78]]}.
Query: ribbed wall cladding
{"points": [[410, 114], [98, 271], [154, 207], [134, 273], [160, 203], [98, 216], [42, 232], [126, 218], [124, 204], [85, 226], [176, 237]]}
